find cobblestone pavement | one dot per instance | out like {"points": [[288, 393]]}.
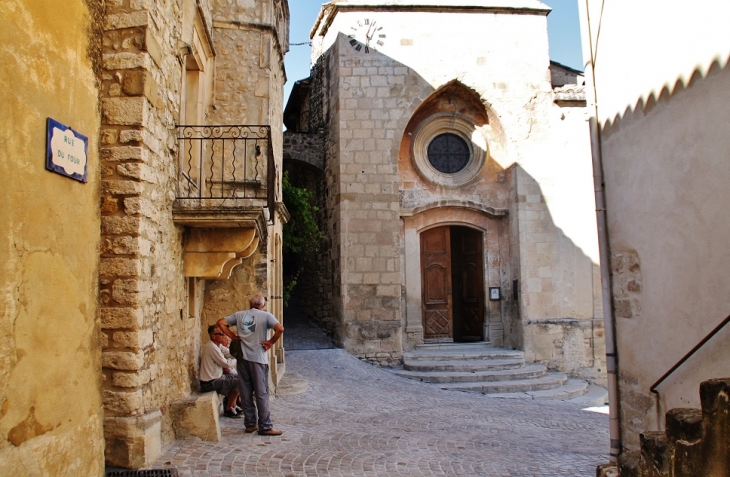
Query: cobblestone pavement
{"points": [[301, 334], [358, 420]]}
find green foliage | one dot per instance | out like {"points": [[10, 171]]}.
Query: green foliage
{"points": [[289, 287], [301, 233]]}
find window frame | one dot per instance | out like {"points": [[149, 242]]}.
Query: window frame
{"points": [[460, 126]]}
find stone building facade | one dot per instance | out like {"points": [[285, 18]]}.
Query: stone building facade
{"points": [[180, 220], [495, 244]]}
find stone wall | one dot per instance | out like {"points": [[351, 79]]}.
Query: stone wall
{"points": [[251, 39], [251, 44], [304, 147], [626, 283], [363, 198], [150, 343], [575, 347], [560, 284], [224, 297], [636, 401], [561, 75], [332, 188], [167, 62], [50, 397], [665, 282]]}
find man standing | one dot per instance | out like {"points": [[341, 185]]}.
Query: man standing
{"points": [[252, 327], [215, 372]]}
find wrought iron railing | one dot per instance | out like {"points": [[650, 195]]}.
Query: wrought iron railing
{"points": [[679, 363], [226, 165]]}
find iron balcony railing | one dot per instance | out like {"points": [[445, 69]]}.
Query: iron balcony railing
{"points": [[226, 166]]}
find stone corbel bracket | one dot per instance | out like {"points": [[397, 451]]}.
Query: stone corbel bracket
{"points": [[213, 253]]}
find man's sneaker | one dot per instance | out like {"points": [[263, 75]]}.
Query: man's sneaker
{"points": [[251, 429], [232, 413], [270, 432]]}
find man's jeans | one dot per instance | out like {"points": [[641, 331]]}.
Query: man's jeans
{"points": [[255, 380]]}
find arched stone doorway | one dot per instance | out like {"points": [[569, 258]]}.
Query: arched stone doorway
{"points": [[452, 284], [479, 245]]}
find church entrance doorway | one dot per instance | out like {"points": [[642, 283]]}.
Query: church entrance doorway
{"points": [[452, 284]]}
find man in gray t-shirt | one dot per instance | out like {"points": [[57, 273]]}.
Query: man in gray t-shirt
{"points": [[252, 328]]}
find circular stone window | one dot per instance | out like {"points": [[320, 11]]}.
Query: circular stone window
{"points": [[449, 150], [448, 153]]}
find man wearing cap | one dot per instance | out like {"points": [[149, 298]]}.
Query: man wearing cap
{"points": [[252, 329]]}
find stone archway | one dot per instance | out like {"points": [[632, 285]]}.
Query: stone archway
{"points": [[491, 229], [452, 287]]}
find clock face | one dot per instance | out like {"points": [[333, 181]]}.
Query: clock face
{"points": [[366, 35]]}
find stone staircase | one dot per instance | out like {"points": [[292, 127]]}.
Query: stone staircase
{"points": [[696, 442], [478, 367]]}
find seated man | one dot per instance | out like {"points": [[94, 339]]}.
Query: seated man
{"points": [[226, 349], [215, 372]]}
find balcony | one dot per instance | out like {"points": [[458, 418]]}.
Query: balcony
{"points": [[226, 175], [226, 194]]}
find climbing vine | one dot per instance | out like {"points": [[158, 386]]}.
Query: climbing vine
{"points": [[301, 233]]}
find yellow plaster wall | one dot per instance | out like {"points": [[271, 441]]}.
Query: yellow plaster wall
{"points": [[50, 402]]}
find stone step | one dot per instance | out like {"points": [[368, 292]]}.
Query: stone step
{"points": [[573, 388], [464, 365], [452, 345], [654, 446], [695, 441], [575, 391], [460, 352], [523, 373], [594, 396], [549, 381], [479, 367], [684, 424]]}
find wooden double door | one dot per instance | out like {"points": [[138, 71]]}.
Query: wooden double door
{"points": [[452, 284]]}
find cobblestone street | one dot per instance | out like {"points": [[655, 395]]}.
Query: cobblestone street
{"points": [[358, 420]]}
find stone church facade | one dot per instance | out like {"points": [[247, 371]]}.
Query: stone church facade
{"points": [[110, 282], [451, 161]]}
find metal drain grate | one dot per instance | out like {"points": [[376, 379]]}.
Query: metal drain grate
{"points": [[144, 473]]}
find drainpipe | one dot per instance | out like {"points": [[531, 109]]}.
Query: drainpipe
{"points": [[603, 246]]}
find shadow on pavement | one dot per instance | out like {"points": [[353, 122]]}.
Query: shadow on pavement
{"points": [[301, 333]]}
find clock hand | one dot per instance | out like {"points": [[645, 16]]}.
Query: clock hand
{"points": [[371, 28]]}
